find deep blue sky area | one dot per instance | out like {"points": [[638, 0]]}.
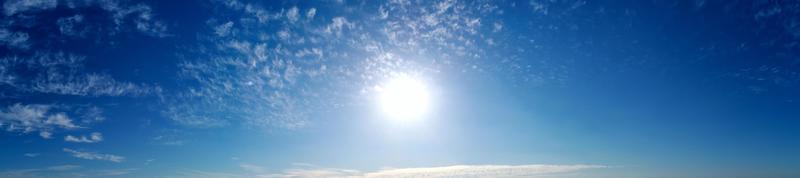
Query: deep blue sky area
{"points": [[400, 88]]}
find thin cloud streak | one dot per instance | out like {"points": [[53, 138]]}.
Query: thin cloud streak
{"points": [[310, 171], [94, 156]]}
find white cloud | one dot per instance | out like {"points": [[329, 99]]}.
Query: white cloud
{"points": [[63, 171], [31, 155], [110, 172], [480, 171], [60, 73], [69, 25], [293, 14], [281, 73], [446, 171], [311, 13], [141, 15], [338, 24], [12, 7], [497, 27], [34, 118], [93, 138], [63, 167], [18, 40], [252, 168], [94, 156], [311, 171], [60, 120], [318, 172], [224, 29], [46, 134]]}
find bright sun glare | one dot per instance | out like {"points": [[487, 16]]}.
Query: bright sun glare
{"points": [[404, 98]]}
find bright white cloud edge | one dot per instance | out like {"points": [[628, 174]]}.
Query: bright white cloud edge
{"points": [[531, 170]]}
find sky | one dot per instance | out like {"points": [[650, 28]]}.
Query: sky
{"points": [[400, 88]]}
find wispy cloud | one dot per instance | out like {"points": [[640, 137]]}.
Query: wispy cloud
{"points": [[252, 168], [94, 137], [12, 7], [310, 171], [278, 74], [61, 73], [481, 171], [69, 26], [223, 29], [63, 171], [63, 167], [52, 171], [34, 118], [32, 154], [94, 156], [445, 171], [14, 39]]}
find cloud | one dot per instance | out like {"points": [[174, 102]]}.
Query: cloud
{"points": [[144, 20], [279, 74], [68, 25], [17, 40], [12, 7], [338, 24], [110, 172], [31, 155], [46, 134], [94, 156], [61, 73], [224, 29], [93, 138], [317, 172], [28, 118], [125, 16], [311, 13], [311, 171], [446, 171], [293, 14], [252, 168], [63, 167], [480, 171], [63, 171]]}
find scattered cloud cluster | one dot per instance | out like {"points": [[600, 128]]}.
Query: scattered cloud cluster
{"points": [[246, 80], [14, 39], [138, 16], [12, 7], [34, 118], [92, 138], [28, 68], [276, 68], [94, 156], [63, 74]]}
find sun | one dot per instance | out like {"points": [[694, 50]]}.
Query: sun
{"points": [[404, 98]]}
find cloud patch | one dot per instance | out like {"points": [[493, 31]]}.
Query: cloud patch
{"points": [[94, 156], [26, 118], [474, 171], [92, 138], [61, 73], [12, 7], [480, 171], [14, 39]]}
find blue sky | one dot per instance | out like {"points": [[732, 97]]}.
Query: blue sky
{"points": [[400, 88]]}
